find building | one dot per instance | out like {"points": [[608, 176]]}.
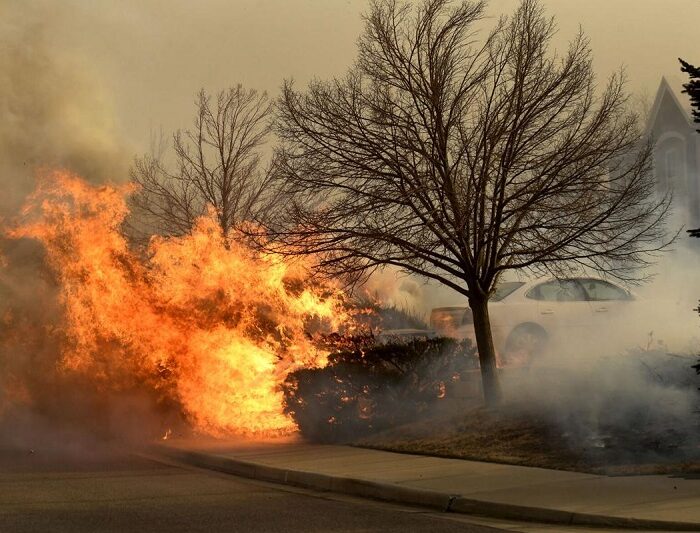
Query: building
{"points": [[676, 151]]}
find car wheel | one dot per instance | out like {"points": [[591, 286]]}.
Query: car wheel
{"points": [[524, 344]]}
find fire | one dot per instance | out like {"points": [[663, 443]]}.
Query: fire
{"points": [[200, 318]]}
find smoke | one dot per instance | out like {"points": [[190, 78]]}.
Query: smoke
{"points": [[624, 391], [55, 114], [393, 288], [603, 383], [637, 407], [618, 391], [41, 404]]}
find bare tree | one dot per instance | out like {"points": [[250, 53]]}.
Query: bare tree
{"points": [[217, 163], [459, 160]]}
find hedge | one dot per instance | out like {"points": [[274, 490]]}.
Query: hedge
{"points": [[370, 386]]}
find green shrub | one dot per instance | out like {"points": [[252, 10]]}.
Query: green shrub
{"points": [[367, 388]]}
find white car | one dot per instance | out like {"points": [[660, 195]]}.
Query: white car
{"points": [[528, 317]]}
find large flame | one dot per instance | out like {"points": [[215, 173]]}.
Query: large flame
{"points": [[201, 318]]}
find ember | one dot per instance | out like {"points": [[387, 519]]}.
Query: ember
{"points": [[203, 320]]}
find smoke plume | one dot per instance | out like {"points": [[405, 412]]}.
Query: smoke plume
{"points": [[54, 115], [54, 111]]}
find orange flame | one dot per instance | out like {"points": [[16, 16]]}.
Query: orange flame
{"points": [[202, 318]]}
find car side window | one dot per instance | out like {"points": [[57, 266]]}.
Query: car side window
{"points": [[602, 290], [565, 290]]}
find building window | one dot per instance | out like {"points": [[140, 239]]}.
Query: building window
{"points": [[671, 165]]}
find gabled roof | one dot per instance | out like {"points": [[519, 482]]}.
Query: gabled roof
{"points": [[675, 82], [674, 92]]}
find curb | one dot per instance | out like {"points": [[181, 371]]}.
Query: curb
{"points": [[440, 501]]}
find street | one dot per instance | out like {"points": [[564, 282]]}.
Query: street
{"points": [[43, 491]]}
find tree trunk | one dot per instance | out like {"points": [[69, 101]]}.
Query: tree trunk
{"points": [[487, 353]]}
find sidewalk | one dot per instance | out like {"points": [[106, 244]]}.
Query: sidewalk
{"points": [[494, 490]]}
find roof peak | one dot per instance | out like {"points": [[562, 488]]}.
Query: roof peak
{"points": [[675, 91]]}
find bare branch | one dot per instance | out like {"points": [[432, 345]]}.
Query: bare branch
{"points": [[218, 163]]}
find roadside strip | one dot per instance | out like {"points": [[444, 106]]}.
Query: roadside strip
{"points": [[407, 495]]}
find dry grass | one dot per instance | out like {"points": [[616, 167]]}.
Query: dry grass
{"points": [[510, 436]]}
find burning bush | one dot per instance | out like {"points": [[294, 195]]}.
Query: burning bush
{"points": [[200, 319], [369, 387]]}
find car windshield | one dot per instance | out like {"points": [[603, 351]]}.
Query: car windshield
{"points": [[504, 289]]}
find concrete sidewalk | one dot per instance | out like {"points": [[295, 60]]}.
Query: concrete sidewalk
{"points": [[494, 490]]}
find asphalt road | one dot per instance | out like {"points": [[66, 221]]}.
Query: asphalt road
{"points": [[84, 491]]}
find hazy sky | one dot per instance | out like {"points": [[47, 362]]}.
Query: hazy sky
{"points": [[145, 59]]}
